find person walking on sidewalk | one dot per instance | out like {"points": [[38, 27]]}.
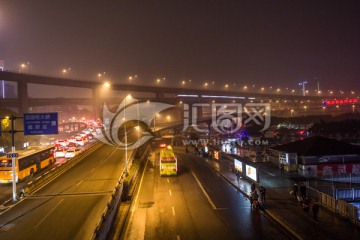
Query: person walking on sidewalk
{"points": [[315, 209], [253, 187], [281, 169], [237, 175], [303, 190], [262, 194], [306, 205], [295, 190]]}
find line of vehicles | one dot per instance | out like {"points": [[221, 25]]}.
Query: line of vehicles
{"points": [[36, 158], [70, 147]]}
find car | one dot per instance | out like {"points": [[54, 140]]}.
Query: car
{"points": [[70, 153], [59, 153], [90, 136], [62, 142], [80, 141], [73, 144]]}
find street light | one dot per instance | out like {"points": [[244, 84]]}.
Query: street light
{"points": [[66, 71], [303, 85], [13, 162], [100, 75]]}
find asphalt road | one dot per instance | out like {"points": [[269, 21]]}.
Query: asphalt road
{"points": [[196, 204], [70, 206]]}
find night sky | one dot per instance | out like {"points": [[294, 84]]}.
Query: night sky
{"points": [[275, 43]]}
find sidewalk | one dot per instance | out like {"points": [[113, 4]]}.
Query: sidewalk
{"points": [[284, 209]]}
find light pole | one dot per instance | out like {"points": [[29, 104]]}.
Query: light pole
{"points": [[13, 158], [126, 139], [303, 86]]}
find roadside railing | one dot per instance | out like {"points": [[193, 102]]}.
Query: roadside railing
{"points": [[57, 171], [109, 214], [338, 206]]}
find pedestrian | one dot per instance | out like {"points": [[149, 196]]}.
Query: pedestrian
{"points": [[295, 190], [237, 175], [253, 187], [306, 205], [315, 209], [302, 190], [254, 197], [281, 169], [262, 194]]}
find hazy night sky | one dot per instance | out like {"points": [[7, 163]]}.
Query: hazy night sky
{"points": [[275, 43]]}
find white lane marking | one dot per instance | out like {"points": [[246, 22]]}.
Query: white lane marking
{"points": [[43, 219], [173, 210], [170, 192], [92, 170], [177, 237], [168, 180], [78, 184], [203, 190]]}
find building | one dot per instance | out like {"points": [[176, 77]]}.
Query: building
{"points": [[318, 156]]}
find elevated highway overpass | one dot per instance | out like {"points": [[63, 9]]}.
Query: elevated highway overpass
{"points": [[172, 95]]}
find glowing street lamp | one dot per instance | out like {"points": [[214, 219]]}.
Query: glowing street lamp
{"points": [[66, 71], [100, 75]]}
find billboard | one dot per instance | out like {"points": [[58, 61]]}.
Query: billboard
{"points": [[238, 165], [251, 172]]}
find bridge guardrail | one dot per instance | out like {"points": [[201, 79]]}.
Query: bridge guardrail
{"points": [[338, 206], [108, 216], [57, 171]]}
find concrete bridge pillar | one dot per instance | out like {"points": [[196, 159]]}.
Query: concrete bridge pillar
{"points": [[23, 98], [96, 102]]}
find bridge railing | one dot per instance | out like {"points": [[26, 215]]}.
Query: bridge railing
{"points": [[336, 205], [109, 214]]}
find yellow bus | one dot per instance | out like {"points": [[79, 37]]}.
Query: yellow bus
{"points": [[27, 164], [168, 161]]}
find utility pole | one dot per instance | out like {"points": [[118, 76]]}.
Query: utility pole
{"points": [[13, 154], [303, 85]]}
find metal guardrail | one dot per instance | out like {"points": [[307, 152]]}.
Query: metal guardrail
{"points": [[108, 216], [338, 206], [57, 171]]}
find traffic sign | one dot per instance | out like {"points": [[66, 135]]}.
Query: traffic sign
{"points": [[40, 123], [12, 155]]}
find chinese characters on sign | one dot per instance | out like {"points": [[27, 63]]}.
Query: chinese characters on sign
{"points": [[40, 123], [329, 169]]}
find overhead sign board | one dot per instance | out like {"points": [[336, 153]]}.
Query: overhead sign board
{"points": [[40, 123], [12, 155]]}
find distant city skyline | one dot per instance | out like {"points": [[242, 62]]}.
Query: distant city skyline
{"points": [[261, 43]]}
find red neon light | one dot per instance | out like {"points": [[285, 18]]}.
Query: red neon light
{"points": [[340, 101]]}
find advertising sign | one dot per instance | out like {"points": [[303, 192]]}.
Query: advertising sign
{"points": [[216, 155], [40, 123], [333, 168], [238, 165], [251, 172]]}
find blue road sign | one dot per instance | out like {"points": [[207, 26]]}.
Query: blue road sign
{"points": [[12, 155], [40, 123]]}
